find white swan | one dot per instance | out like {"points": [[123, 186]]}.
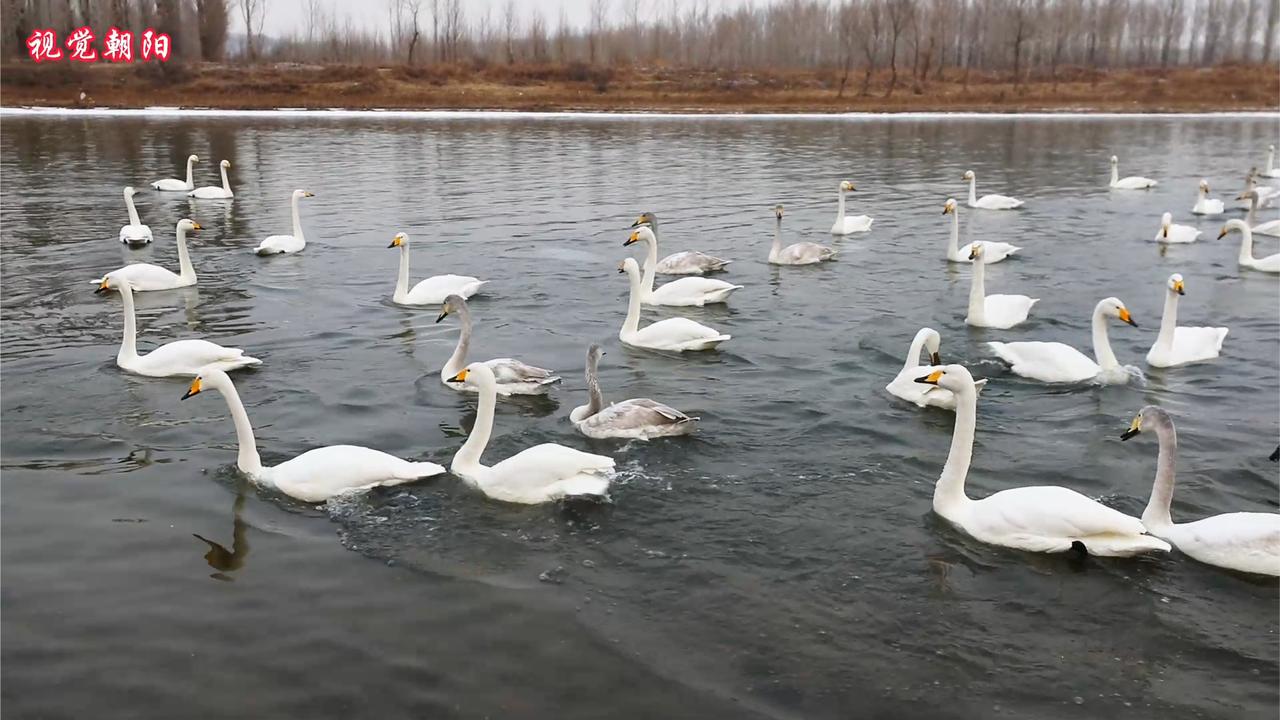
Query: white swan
{"points": [[994, 311], [539, 474], [180, 357], [905, 385], [512, 377], [1272, 171], [1171, 232], [279, 244], [674, 334], [988, 202], [145, 277], [1182, 345], [1270, 263], [847, 224], [1132, 182], [1266, 193], [1244, 541], [685, 291], [1271, 227], [315, 475], [801, 253], [213, 192], [992, 252], [1056, 362], [176, 185], [638, 418], [135, 233], [1206, 205], [1045, 518], [688, 262], [433, 290]]}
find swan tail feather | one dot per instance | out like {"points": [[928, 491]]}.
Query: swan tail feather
{"points": [[552, 380], [417, 470]]}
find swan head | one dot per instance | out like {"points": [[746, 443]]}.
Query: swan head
{"points": [[1204, 186], [224, 164], [1114, 159], [975, 251], [932, 343], [1233, 225], [1175, 284], [594, 353], [193, 159], [302, 194], [187, 225], [949, 206], [1113, 307], [400, 240], [640, 234], [1165, 221], [846, 186], [955, 378], [452, 304], [1271, 148], [1248, 194], [968, 175], [130, 191], [476, 373], [1151, 416], [109, 282], [646, 218], [777, 211], [209, 378], [630, 267]]}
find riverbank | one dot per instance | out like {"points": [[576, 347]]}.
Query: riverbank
{"points": [[578, 87]]}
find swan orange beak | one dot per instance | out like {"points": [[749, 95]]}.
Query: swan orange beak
{"points": [[193, 390], [1135, 427], [932, 378], [1125, 316], [639, 221], [104, 287], [1179, 288], [460, 377], [443, 314], [1222, 234], [635, 237], [396, 242]]}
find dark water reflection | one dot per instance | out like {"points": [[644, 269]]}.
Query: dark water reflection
{"points": [[782, 563]]}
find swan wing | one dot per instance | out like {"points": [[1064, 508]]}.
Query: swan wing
{"points": [[278, 244], [170, 185], [1245, 541], [805, 253], [319, 474], [1270, 263], [547, 472], [692, 291], [1046, 361], [1198, 343], [992, 252], [1005, 311], [1049, 518], [998, 202], [210, 193], [674, 332], [509, 370], [1271, 227], [435, 289], [689, 262], [639, 413], [145, 276], [187, 357], [135, 234]]}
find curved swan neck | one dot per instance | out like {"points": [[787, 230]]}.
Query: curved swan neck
{"points": [[1246, 245], [469, 454], [949, 492], [973, 190], [247, 458], [650, 266], [402, 280], [1169, 320], [596, 398], [913, 355], [1102, 353], [129, 344], [978, 291], [226, 184], [777, 240], [190, 179], [458, 359], [297, 221], [840, 204], [1252, 219], [185, 270], [133, 211], [1157, 515], [632, 323]]}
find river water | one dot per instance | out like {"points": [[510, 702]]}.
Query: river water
{"points": [[782, 563]]}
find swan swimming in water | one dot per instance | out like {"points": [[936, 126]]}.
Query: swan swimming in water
{"points": [[145, 277], [1271, 227], [685, 291], [511, 377], [213, 192], [638, 418], [1132, 182], [674, 334], [905, 385], [1171, 232], [992, 252], [1182, 345], [848, 224], [994, 311], [1270, 263], [180, 357], [1244, 541], [281, 244], [1272, 171], [688, 262], [801, 253], [1266, 194], [433, 290], [1055, 362], [1043, 519], [538, 474], [135, 233], [176, 185], [988, 202], [1206, 205], [315, 475]]}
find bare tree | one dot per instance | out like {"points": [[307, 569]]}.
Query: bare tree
{"points": [[599, 11], [1269, 40], [254, 13], [900, 13], [213, 18]]}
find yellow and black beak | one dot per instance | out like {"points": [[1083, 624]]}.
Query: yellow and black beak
{"points": [[973, 253], [1179, 288], [443, 314], [193, 390], [460, 377], [946, 209], [639, 221], [308, 194], [1135, 427], [931, 379], [102, 287], [396, 242], [196, 226], [1125, 316], [935, 358], [635, 238], [1164, 231], [1222, 234]]}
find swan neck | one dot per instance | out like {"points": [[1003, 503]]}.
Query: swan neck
{"points": [[1246, 245], [596, 398], [129, 344], [226, 184], [185, 270], [973, 191], [133, 211], [913, 355], [1252, 219], [1157, 515], [632, 323], [953, 246], [247, 458], [650, 266], [469, 455], [297, 221], [402, 279], [840, 205], [1168, 321], [458, 359], [777, 240], [949, 492], [978, 291], [1102, 353], [1115, 174], [190, 180]]}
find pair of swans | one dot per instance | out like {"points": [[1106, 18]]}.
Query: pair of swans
{"points": [[637, 418], [993, 311], [1270, 263], [1182, 345], [687, 291], [988, 202], [801, 253], [145, 277], [1271, 227], [538, 474], [180, 357], [672, 334], [282, 244], [992, 252], [1171, 232], [315, 475], [1244, 541], [848, 224], [1045, 518], [1132, 182], [433, 290], [1206, 205], [135, 233], [511, 377], [213, 192], [176, 185], [1056, 362], [905, 385], [688, 262]]}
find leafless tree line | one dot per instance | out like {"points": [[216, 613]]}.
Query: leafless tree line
{"points": [[913, 40]]}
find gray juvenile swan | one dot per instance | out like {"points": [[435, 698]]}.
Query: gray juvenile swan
{"points": [[638, 418], [689, 262], [511, 377], [801, 253]]}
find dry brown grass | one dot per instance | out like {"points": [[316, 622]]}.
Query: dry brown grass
{"points": [[576, 86]]}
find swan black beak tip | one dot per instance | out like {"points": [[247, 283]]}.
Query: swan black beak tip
{"points": [[442, 316], [186, 395], [935, 358], [391, 245], [1133, 322], [1128, 434], [926, 381]]}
